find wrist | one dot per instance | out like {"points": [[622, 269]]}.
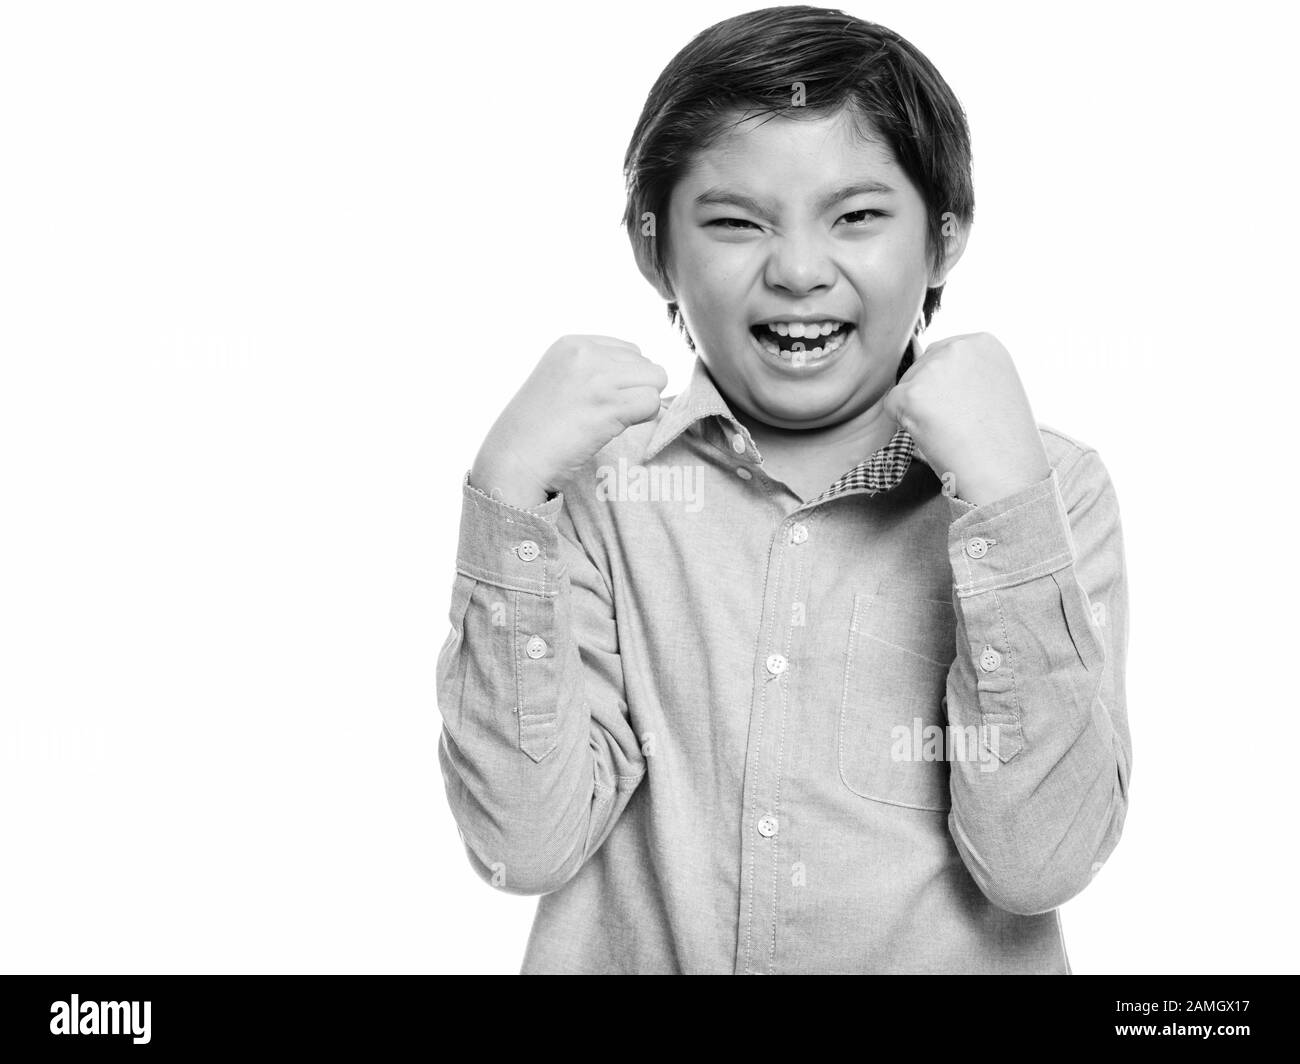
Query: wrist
{"points": [[507, 481], [984, 490]]}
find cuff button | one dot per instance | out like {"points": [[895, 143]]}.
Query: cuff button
{"points": [[528, 550]]}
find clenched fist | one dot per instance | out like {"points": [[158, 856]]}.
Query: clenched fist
{"points": [[583, 392], [964, 405]]}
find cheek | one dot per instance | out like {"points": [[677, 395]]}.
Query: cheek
{"points": [[714, 264], [892, 262], [711, 278], [888, 286], [910, 255]]}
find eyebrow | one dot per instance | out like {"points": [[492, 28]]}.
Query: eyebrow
{"points": [[718, 196]]}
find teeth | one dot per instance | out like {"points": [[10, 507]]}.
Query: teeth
{"points": [[811, 330], [802, 356]]}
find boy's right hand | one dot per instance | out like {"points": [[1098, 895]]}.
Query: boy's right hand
{"points": [[585, 391]]}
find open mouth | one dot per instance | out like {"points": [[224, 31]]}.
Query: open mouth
{"points": [[800, 343]]}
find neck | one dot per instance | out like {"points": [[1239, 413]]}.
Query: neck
{"points": [[853, 440]]}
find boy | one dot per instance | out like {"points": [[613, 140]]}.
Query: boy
{"points": [[819, 665]]}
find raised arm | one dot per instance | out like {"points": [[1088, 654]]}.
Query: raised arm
{"points": [[1042, 636], [537, 752]]}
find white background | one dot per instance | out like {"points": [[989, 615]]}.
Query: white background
{"points": [[267, 274]]}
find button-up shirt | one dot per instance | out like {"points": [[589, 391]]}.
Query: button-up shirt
{"points": [[722, 729]]}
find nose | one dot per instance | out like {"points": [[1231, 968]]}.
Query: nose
{"points": [[799, 264]]}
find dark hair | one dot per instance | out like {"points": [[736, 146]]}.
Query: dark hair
{"points": [[752, 62]]}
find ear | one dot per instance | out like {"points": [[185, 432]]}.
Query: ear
{"points": [[954, 235]]}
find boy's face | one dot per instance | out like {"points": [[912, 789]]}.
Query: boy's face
{"points": [[785, 219]]}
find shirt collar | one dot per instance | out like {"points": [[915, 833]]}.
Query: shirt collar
{"points": [[698, 400], [701, 399]]}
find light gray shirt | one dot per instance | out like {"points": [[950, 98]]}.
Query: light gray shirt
{"points": [[722, 729]]}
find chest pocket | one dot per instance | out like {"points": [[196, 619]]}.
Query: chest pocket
{"points": [[893, 719]]}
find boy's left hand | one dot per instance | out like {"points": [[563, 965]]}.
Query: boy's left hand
{"points": [[963, 404]]}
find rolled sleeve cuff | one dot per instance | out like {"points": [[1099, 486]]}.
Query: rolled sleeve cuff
{"points": [[507, 546], [1007, 542]]}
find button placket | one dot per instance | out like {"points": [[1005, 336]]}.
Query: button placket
{"points": [[777, 698]]}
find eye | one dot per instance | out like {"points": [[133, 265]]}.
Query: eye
{"points": [[866, 214], [729, 223]]}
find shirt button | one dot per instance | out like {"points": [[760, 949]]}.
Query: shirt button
{"points": [[743, 473], [990, 659], [977, 547], [536, 647], [767, 826], [528, 550], [798, 533], [738, 443], [776, 664]]}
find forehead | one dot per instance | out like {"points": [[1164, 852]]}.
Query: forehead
{"points": [[793, 158]]}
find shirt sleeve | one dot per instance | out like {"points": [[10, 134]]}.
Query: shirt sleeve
{"points": [[1042, 635], [537, 752]]}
